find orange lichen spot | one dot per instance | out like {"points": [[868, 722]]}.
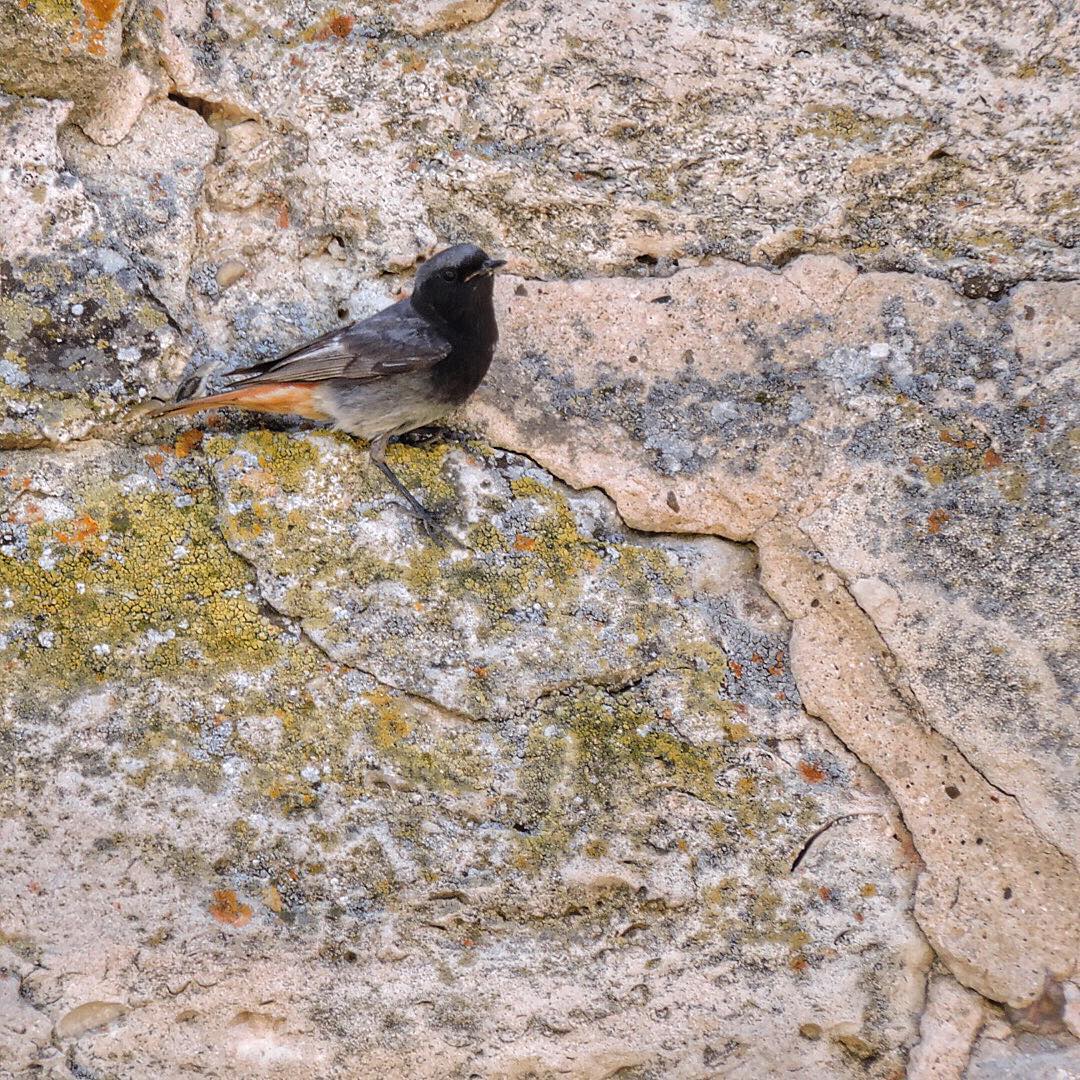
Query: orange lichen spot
{"points": [[947, 436], [825, 892], [100, 11], [523, 543], [96, 46], [778, 668], [341, 25], [81, 529], [187, 442], [936, 519], [227, 909], [798, 963], [27, 513], [992, 459], [282, 219], [736, 668], [156, 462], [811, 773]]}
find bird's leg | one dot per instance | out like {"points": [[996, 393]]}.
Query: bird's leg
{"points": [[428, 520], [421, 436]]}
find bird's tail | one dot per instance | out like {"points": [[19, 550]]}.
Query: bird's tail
{"points": [[295, 398]]}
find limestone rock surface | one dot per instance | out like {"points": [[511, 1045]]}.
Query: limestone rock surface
{"points": [[736, 733]]}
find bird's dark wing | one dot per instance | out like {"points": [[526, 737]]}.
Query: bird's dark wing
{"points": [[391, 342]]}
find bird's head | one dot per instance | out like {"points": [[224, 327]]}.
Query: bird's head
{"points": [[457, 284]]}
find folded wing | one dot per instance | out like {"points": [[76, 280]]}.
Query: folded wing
{"points": [[391, 342]]}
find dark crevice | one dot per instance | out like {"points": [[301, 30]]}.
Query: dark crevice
{"points": [[805, 849], [218, 114]]}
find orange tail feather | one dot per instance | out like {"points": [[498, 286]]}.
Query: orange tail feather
{"points": [[295, 398]]}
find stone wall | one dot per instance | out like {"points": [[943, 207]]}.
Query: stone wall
{"points": [[737, 737]]}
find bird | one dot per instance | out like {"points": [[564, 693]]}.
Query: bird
{"points": [[394, 373]]}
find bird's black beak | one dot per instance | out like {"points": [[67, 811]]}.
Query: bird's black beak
{"points": [[488, 266]]}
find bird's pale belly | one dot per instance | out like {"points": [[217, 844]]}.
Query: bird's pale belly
{"points": [[388, 406]]}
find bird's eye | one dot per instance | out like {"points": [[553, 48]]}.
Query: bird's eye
{"points": [[449, 275]]}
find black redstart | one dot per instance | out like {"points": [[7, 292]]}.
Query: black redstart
{"points": [[401, 369]]}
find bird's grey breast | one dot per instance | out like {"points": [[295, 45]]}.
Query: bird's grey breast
{"points": [[390, 405]]}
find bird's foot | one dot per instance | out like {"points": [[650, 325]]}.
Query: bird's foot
{"points": [[422, 436], [430, 522]]}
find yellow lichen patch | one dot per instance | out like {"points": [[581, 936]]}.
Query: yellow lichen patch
{"points": [[18, 317], [614, 744], [707, 675], [151, 317], [600, 750], [840, 123], [545, 571], [291, 460], [148, 585], [62, 12], [421, 470], [412, 746], [641, 568], [390, 726]]}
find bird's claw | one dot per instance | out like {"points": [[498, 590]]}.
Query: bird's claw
{"points": [[431, 523]]}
